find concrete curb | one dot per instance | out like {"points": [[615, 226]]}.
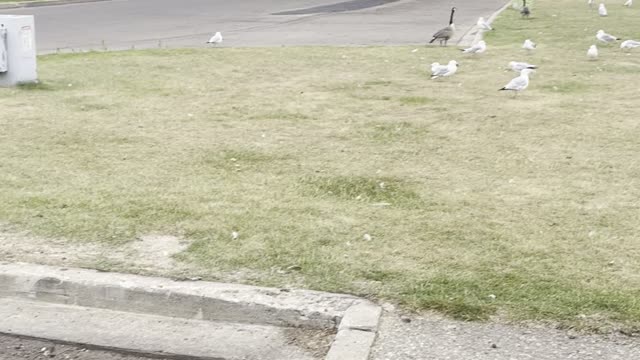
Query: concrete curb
{"points": [[21, 5], [355, 319], [356, 333], [471, 38]]}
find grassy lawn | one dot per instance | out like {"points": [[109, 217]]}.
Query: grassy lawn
{"points": [[465, 191]]}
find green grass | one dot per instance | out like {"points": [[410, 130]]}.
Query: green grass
{"points": [[532, 199]]}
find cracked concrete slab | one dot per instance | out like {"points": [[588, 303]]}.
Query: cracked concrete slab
{"points": [[147, 334], [36, 300]]}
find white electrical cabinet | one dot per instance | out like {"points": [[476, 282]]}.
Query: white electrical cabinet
{"points": [[17, 50]]}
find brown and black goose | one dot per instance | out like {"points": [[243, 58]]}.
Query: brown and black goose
{"points": [[443, 35]]}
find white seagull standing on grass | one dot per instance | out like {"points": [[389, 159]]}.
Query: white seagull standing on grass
{"points": [[478, 48], [215, 39], [518, 66], [602, 10], [529, 45], [483, 25], [519, 83], [438, 70], [606, 38], [629, 44], [592, 53]]}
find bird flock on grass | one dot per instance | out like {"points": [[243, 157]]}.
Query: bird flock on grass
{"points": [[524, 69]]}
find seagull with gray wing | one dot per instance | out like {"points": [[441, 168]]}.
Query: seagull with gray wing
{"points": [[518, 66], [630, 44], [519, 83], [438, 70], [606, 38], [478, 48]]}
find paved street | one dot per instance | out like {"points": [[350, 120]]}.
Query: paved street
{"points": [[121, 24], [16, 348], [434, 337]]}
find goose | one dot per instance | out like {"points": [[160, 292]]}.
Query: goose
{"points": [[478, 48], [519, 83], [525, 12], [518, 66], [443, 35], [629, 3], [605, 38], [443, 70], [529, 45], [602, 10], [592, 53], [630, 44], [483, 25], [215, 39]]}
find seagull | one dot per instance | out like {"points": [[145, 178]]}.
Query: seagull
{"points": [[590, 2], [519, 83], [605, 38], [519, 66], [444, 70], [630, 44], [483, 25], [602, 10], [529, 45], [215, 39], [629, 3], [478, 48], [592, 53]]}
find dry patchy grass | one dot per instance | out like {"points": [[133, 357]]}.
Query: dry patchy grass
{"points": [[466, 191]]}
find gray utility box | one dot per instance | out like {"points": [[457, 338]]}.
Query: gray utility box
{"points": [[17, 50]]}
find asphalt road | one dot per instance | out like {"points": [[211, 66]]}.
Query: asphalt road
{"points": [[121, 24], [434, 337], [17, 348]]}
